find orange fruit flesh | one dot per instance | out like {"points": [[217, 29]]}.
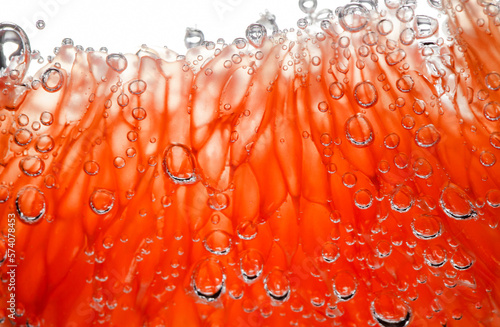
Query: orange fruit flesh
{"points": [[306, 183]]}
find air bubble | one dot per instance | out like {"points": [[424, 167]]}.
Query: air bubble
{"points": [[391, 141], [384, 27], [137, 87], [365, 94], [217, 242], [40, 24], [492, 111], [405, 14], [336, 90], [461, 260], [405, 83], [179, 164], [308, 6], [435, 256], [277, 286], [15, 50], [426, 227], [44, 143], [425, 26], [117, 62], [345, 285], [359, 130], [390, 311], [193, 38], [30, 204], [456, 203], [363, 199], [427, 136], [330, 252], [493, 198], [402, 199], [354, 17], [422, 168], [395, 57], [492, 81], [256, 34], [487, 158], [251, 265], [247, 230], [208, 280], [52, 80], [91, 167], [4, 193], [101, 201], [23, 136], [32, 166], [384, 249]]}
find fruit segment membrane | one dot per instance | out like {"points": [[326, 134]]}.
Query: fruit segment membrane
{"points": [[339, 173]]}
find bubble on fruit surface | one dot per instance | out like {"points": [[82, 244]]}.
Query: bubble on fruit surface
{"points": [[402, 199], [23, 136], [179, 164], [359, 130], [256, 34], [384, 27], [336, 90], [493, 198], [40, 24], [487, 158], [391, 141], [15, 50], [461, 260], [456, 203], [44, 143], [345, 285], [383, 249], [218, 201], [330, 252], [426, 227], [91, 167], [492, 81], [193, 37], [277, 285], [247, 230], [405, 83], [390, 311], [354, 17], [32, 166], [492, 111], [30, 204], [208, 280], [363, 199], [405, 14], [4, 193], [395, 57], [427, 136], [435, 256], [52, 79], [365, 94], [137, 87], [117, 62], [218, 242], [251, 265], [102, 201], [425, 26]]}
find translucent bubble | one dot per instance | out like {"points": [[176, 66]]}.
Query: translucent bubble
{"points": [[405, 14], [117, 62], [354, 17], [137, 87], [435, 256], [456, 203], [390, 311], [365, 94], [349, 179], [487, 158], [302, 23], [323, 106], [425, 26], [256, 34], [336, 90], [30, 204], [330, 252], [492, 111], [208, 280], [437, 4], [405, 83], [193, 38], [247, 230], [101, 201], [363, 199], [392, 4], [493, 198], [370, 38], [15, 50], [345, 285], [240, 43], [308, 6], [23, 136], [139, 113], [391, 141], [402, 199], [4, 193], [395, 57], [426, 227], [46, 118], [52, 80], [461, 260], [359, 130], [217, 242], [407, 36], [492, 81], [422, 168], [277, 285], [251, 265], [384, 27], [45, 143], [427, 136], [40, 24], [119, 162], [179, 164], [384, 249], [32, 166], [91, 167]]}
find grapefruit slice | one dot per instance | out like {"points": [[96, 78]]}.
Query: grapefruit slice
{"points": [[343, 174]]}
